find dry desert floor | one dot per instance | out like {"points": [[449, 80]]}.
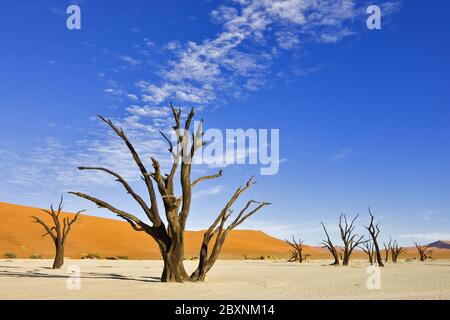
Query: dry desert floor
{"points": [[249, 279]]}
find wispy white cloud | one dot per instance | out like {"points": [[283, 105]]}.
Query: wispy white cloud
{"points": [[131, 61], [150, 112], [391, 7], [287, 40], [340, 155], [132, 97], [239, 57], [208, 192]]}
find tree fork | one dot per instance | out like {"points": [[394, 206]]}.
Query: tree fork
{"points": [[374, 231]]}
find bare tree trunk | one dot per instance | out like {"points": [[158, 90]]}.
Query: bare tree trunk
{"points": [[387, 249], [374, 231], [58, 232], [369, 249], [346, 260], [336, 258], [329, 245], [379, 260], [59, 256], [174, 270]]}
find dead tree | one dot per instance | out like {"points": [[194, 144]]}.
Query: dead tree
{"points": [[170, 239], [387, 249], [374, 231], [297, 250], [58, 232], [424, 252], [396, 251], [350, 240], [369, 249], [330, 246]]}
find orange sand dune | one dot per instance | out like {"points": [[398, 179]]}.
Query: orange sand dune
{"points": [[436, 253], [112, 238]]}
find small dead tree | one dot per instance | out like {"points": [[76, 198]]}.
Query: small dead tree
{"points": [[387, 249], [350, 240], [368, 247], [58, 232], [297, 250], [424, 252], [330, 246], [396, 251], [374, 231], [170, 238]]}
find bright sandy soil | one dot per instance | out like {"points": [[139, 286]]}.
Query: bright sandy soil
{"points": [[100, 279]]}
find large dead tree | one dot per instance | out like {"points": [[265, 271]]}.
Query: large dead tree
{"points": [[170, 239], [297, 250], [331, 247], [374, 231], [58, 231], [396, 251], [424, 251], [369, 249], [349, 238]]}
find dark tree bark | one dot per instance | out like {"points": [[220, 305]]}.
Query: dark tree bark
{"points": [[297, 250], [58, 232], [170, 239], [424, 252], [329, 245], [350, 240], [396, 251], [218, 231], [387, 249], [369, 249], [374, 231], [340, 252]]}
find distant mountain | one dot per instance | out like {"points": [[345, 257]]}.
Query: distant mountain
{"points": [[440, 244]]}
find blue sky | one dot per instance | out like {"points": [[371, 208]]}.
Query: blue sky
{"points": [[363, 114]]}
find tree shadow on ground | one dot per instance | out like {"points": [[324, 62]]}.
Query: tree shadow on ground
{"points": [[84, 275]]}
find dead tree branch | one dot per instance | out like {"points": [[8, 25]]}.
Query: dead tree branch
{"points": [[369, 249], [387, 249], [330, 246], [219, 232], [374, 231]]}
